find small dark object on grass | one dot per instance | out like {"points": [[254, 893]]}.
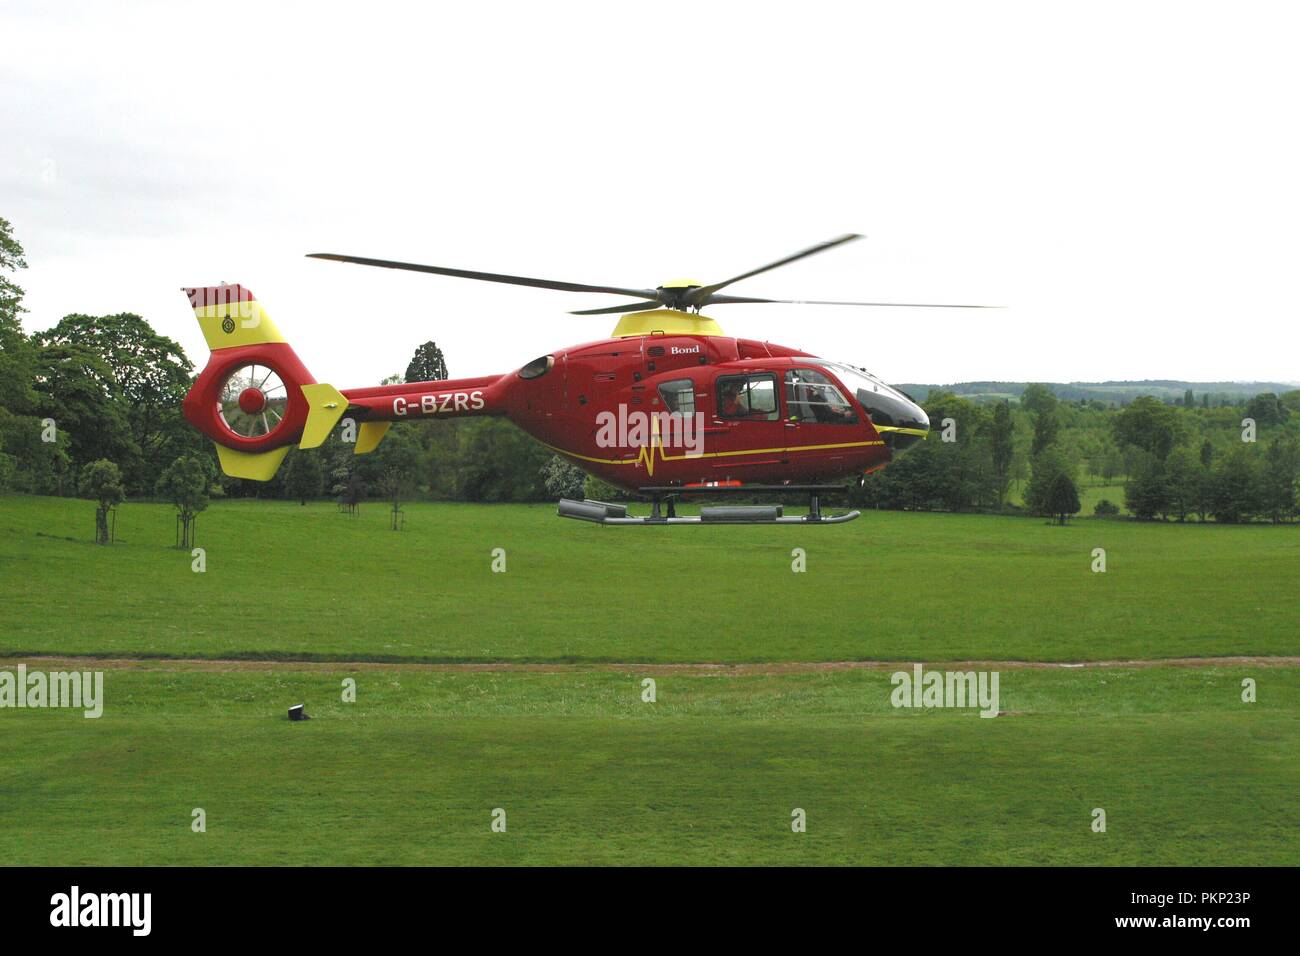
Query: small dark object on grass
{"points": [[296, 712]]}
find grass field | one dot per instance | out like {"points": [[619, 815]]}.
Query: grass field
{"points": [[586, 771], [284, 580]]}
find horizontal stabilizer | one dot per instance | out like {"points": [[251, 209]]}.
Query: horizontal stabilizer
{"points": [[326, 406], [370, 435], [256, 466]]}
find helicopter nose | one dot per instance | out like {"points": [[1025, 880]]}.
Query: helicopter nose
{"points": [[899, 420]]}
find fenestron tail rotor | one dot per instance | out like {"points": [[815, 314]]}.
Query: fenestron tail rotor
{"points": [[253, 401], [682, 295]]}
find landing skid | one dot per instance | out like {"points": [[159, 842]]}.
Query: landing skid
{"points": [[663, 507]]}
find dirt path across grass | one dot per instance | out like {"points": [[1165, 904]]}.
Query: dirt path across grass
{"points": [[180, 665]]}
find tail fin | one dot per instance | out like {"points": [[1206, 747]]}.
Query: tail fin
{"points": [[254, 398]]}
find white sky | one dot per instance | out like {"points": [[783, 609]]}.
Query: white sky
{"points": [[1122, 176]]}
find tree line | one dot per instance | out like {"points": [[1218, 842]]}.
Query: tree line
{"points": [[92, 407], [1229, 463]]}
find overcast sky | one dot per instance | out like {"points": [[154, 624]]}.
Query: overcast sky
{"points": [[1121, 176]]}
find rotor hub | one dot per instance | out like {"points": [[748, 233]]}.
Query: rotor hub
{"points": [[252, 400]]}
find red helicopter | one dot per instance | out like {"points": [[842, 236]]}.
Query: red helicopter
{"points": [[669, 406]]}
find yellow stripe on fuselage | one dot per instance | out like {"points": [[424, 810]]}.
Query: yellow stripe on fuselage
{"points": [[920, 432], [646, 453]]}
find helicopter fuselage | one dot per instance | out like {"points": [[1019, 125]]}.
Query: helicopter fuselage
{"points": [[664, 407]]}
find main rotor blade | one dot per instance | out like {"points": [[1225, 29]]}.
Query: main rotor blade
{"points": [[701, 295], [488, 276], [734, 299], [610, 310]]}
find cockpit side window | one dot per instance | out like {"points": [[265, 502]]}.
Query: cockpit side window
{"points": [[678, 396], [811, 396], [751, 397]]}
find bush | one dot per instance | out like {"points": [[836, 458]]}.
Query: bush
{"points": [[1106, 509], [563, 480]]}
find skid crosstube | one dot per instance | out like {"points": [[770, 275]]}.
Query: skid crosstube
{"points": [[663, 500]]}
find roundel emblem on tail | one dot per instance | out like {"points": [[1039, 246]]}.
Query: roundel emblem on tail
{"points": [[227, 325]]}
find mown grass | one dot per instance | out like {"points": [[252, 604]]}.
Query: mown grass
{"points": [[709, 773], [589, 773], [284, 580]]}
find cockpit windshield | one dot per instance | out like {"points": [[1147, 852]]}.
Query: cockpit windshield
{"points": [[899, 419]]}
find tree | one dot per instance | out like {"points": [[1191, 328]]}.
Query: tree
{"points": [[1062, 497], [16, 352], [304, 476], [353, 493], [1150, 425], [1038, 398], [1112, 463], [75, 388], [101, 482], [1146, 494], [1234, 490], [1189, 399], [1001, 432], [427, 364], [1182, 482], [147, 375], [1278, 477], [562, 479], [394, 466], [187, 484], [1266, 409], [1047, 466], [1046, 429]]}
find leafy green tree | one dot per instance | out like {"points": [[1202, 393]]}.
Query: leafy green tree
{"points": [[147, 375], [305, 476], [1038, 399], [101, 482], [1182, 482], [1267, 410], [1234, 491], [1146, 494], [1046, 430], [17, 355], [1047, 466], [33, 463], [1150, 425], [1189, 400], [1112, 463], [394, 466], [1001, 433], [187, 483], [1278, 477], [76, 389], [1062, 497], [501, 463], [427, 364]]}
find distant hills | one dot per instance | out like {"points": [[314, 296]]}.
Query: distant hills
{"points": [[1120, 393]]}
